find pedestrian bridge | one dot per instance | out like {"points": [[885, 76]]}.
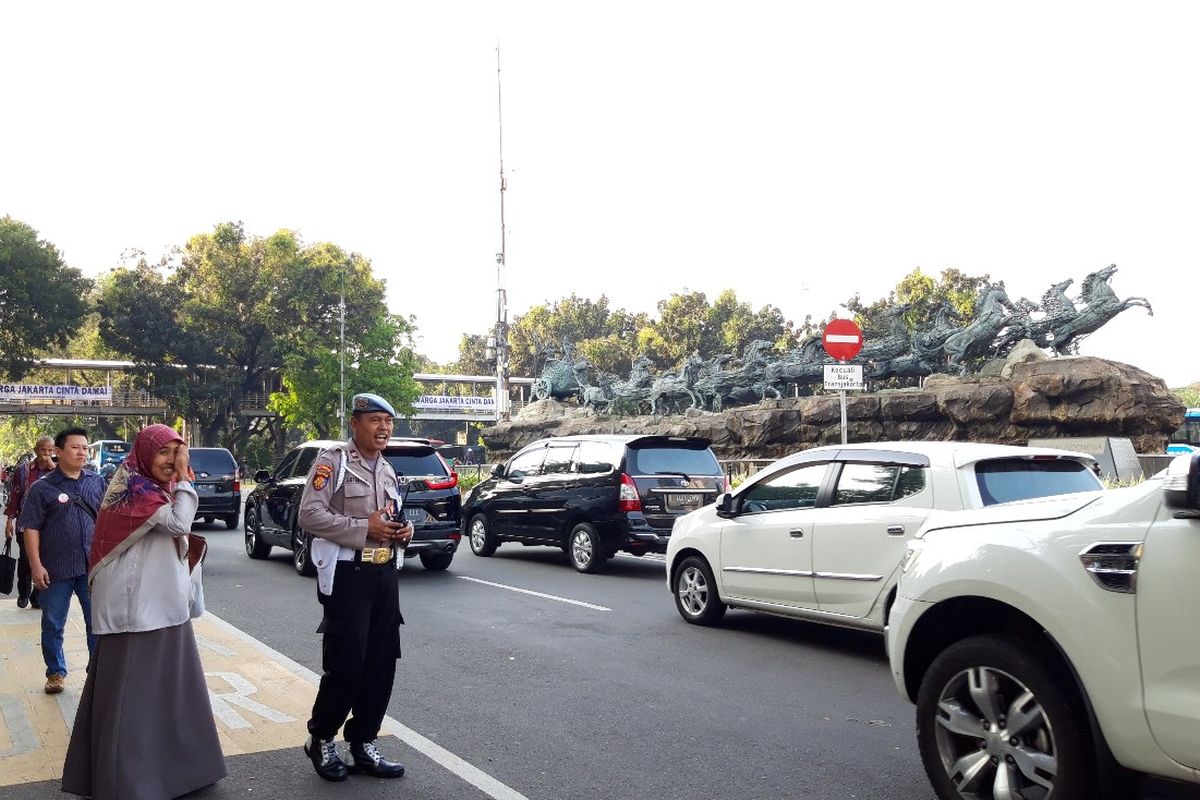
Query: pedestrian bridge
{"points": [[473, 400]]}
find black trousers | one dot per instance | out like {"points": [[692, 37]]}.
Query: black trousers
{"points": [[24, 573], [359, 651]]}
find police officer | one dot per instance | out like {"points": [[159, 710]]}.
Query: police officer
{"points": [[346, 509]]}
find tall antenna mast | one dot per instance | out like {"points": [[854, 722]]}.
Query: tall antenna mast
{"points": [[501, 332]]}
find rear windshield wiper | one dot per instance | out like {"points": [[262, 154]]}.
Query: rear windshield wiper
{"points": [[671, 472]]}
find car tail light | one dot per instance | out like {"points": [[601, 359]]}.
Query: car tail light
{"points": [[449, 483], [628, 500], [237, 485]]}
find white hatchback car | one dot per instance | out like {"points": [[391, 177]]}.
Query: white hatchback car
{"points": [[820, 534]]}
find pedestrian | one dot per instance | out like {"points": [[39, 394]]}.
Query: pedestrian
{"points": [[58, 517], [144, 729], [348, 505], [22, 477]]}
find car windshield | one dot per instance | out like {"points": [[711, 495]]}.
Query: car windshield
{"points": [[1004, 480], [415, 461], [672, 461], [214, 462]]}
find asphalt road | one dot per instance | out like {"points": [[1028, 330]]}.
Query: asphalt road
{"points": [[609, 696]]}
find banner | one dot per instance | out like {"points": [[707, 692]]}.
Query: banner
{"points": [[441, 402], [36, 391]]}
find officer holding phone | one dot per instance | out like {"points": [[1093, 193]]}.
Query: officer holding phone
{"points": [[357, 530]]}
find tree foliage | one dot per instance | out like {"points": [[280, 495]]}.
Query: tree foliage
{"points": [[42, 300], [211, 327]]}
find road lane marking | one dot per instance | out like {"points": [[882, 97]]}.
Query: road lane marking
{"points": [[556, 598], [434, 752]]}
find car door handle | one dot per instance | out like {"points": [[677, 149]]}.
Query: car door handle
{"points": [[796, 533], [895, 530]]}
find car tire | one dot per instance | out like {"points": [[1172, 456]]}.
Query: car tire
{"points": [[584, 548], [436, 562], [231, 521], [967, 744], [695, 590], [208, 520], [479, 533], [255, 547], [301, 556]]}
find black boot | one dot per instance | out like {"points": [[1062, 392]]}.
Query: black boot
{"points": [[324, 756], [365, 758]]}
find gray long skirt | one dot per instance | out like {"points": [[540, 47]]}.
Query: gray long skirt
{"points": [[144, 729]]}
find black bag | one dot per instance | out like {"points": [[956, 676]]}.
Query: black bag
{"points": [[8, 568]]}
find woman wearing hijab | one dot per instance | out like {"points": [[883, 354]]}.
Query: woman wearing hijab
{"points": [[144, 729]]}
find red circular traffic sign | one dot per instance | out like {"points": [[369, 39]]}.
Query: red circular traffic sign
{"points": [[842, 339]]}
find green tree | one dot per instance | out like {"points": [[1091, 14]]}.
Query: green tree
{"points": [[210, 324], [381, 361], [537, 335], [41, 298]]}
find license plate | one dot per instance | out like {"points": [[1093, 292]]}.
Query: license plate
{"points": [[205, 488], [415, 515], [684, 502]]}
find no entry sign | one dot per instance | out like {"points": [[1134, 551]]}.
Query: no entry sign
{"points": [[842, 339]]}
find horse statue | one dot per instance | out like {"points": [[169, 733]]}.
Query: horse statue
{"points": [[1020, 326], [631, 393], [1102, 304], [804, 364], [975, 340], [671, 385]]}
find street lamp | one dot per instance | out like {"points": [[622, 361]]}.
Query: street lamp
{"points": [[342, 354]]}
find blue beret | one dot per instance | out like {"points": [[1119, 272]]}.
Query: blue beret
{"points": [[370, 402]]}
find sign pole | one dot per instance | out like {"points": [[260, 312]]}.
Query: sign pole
{"points": [[842, 392]]}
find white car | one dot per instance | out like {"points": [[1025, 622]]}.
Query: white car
{"points": [[820, 534], [1046, 643]]}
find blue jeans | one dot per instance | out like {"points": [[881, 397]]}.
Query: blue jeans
{"points": [[56, 604]]}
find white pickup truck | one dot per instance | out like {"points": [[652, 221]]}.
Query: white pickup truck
{"points": [[1052, 647]]}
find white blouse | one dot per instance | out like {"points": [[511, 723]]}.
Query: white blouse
{"points": [[147, 587]]}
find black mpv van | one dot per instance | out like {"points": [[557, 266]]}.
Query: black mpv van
{"points": [[593, 495], [217, 484]]}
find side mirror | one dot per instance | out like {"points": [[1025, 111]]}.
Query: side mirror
{"points": [[1181, 486], [498, 471], [262, 476], [725, 506]]}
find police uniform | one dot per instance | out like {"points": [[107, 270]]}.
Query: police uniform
{"points": [[358, 588]]}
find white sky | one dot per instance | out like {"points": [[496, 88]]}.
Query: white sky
{"points": [[796, 152]]}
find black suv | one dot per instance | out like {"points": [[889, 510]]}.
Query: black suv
{"points": [[593, 495], [428, 488], [218, 484]]}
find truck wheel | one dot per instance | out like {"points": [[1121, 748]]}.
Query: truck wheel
{"points": [[301, 557], [996, 717], [255, 546], [695, 592], [436, 561], [585, 549], [483, 541]]}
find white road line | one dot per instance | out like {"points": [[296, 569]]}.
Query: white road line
{"points": [[436, 753], [536, 594]]}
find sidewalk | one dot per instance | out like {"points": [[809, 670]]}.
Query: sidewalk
{"points": [[261, 700]]}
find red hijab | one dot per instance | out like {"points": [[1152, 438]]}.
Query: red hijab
{"points": [[134, 496]]}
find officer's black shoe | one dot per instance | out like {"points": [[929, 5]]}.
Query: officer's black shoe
{"points": [[324, 756], [23, 601], [365, 758]]}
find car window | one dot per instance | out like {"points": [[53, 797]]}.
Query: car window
{"points": [[1003, 480], [592, 458], [305, 460], [877, 483], [670, 460], [285, 467], [214, 462], [526, 464], [416, 461], [558, 459], [795, 488]]}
